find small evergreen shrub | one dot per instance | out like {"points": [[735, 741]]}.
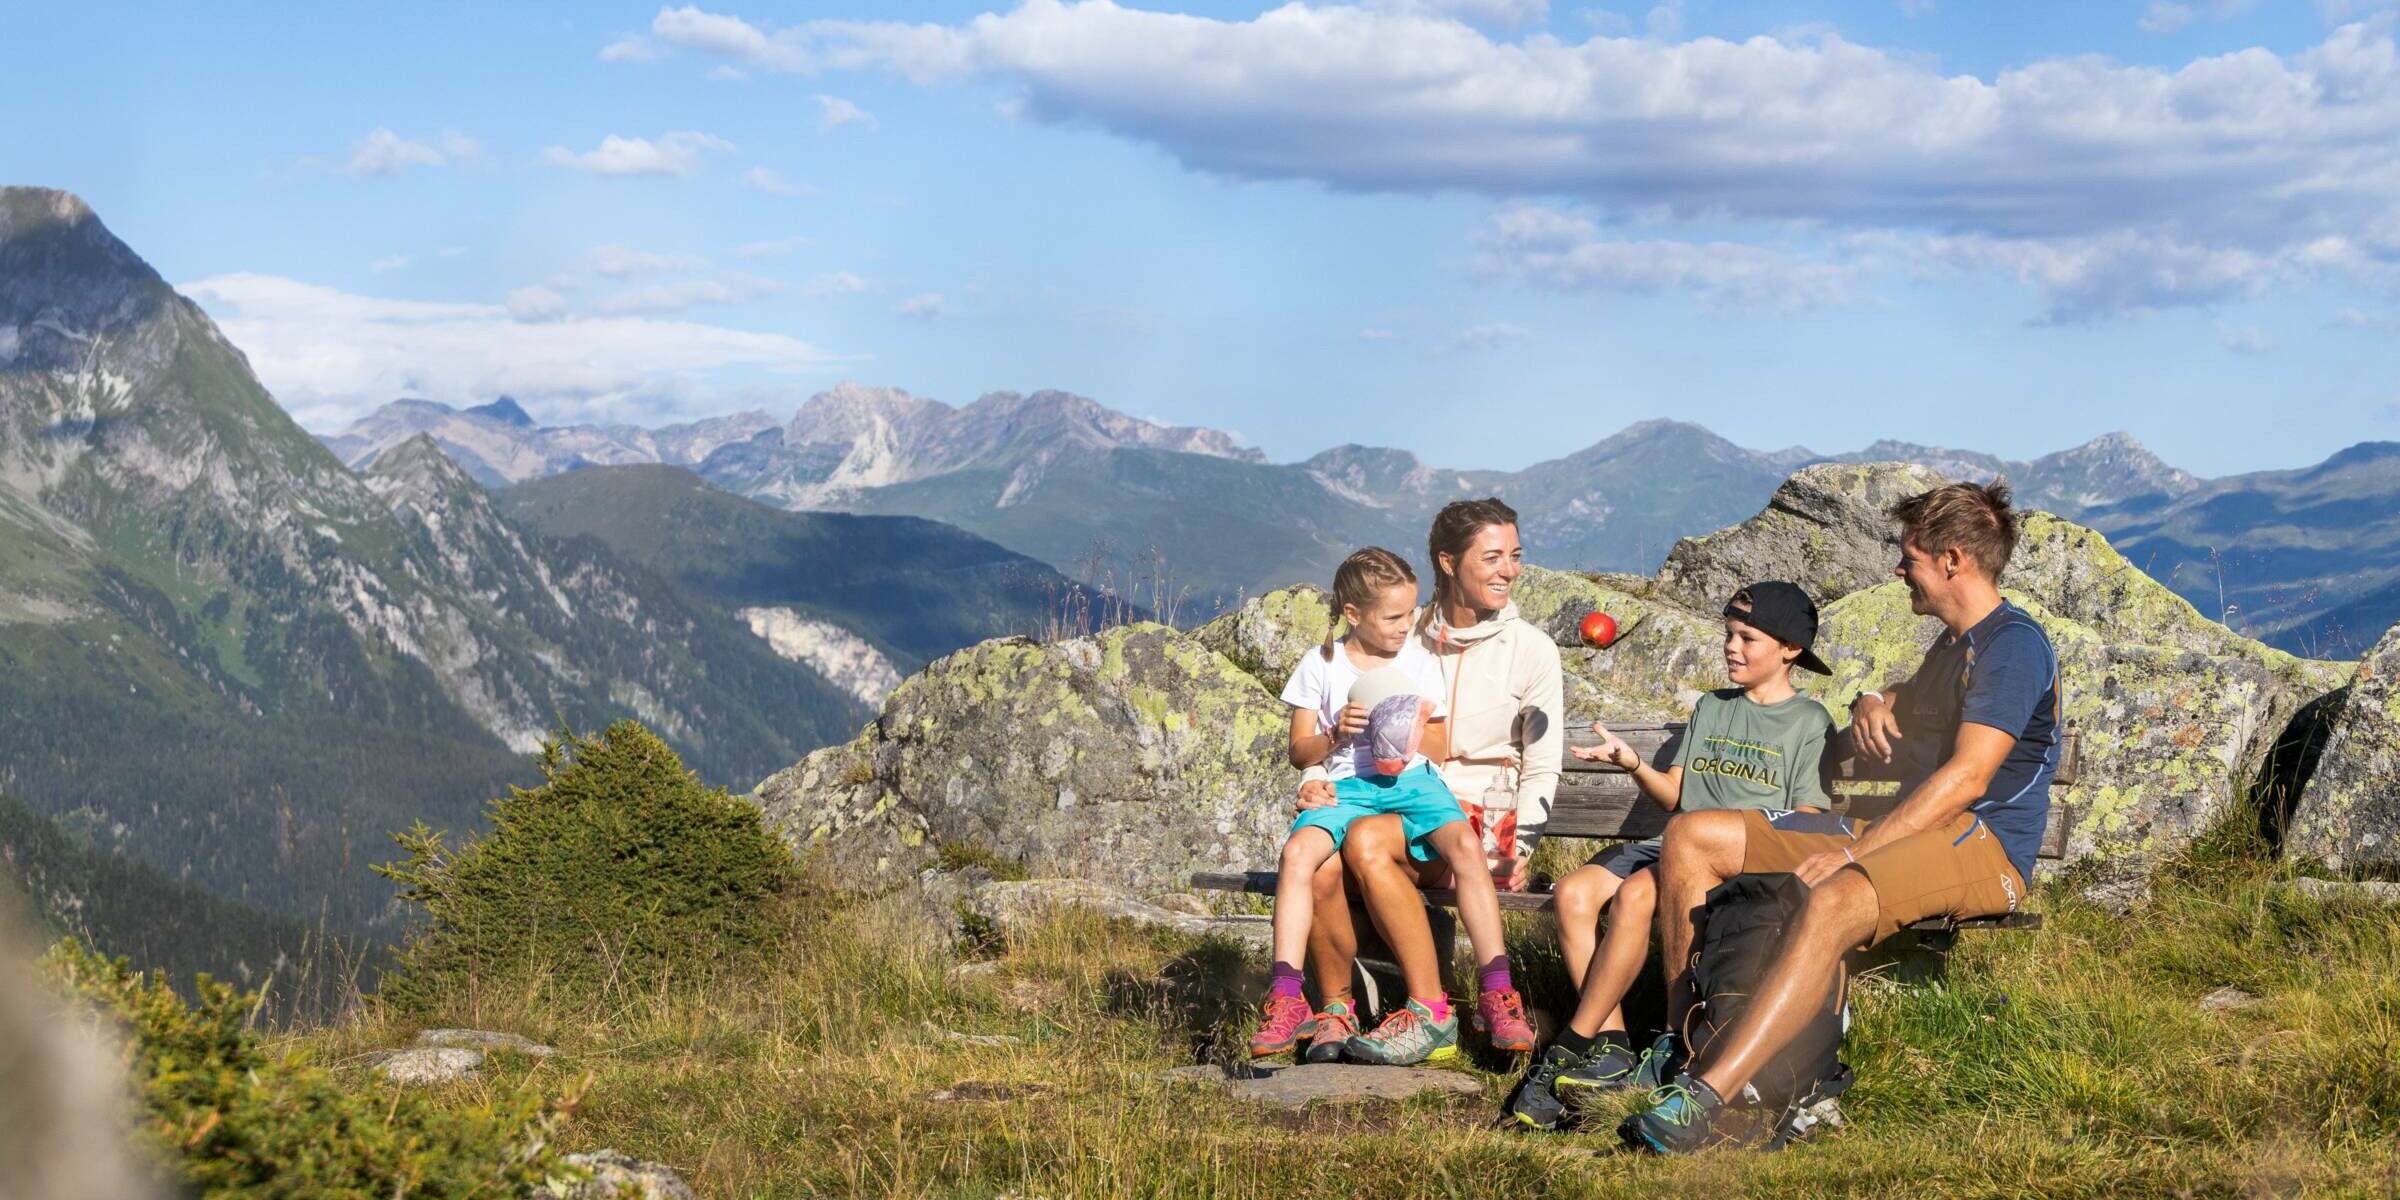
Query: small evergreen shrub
{"points": [[225, 1118], [620, 870]]}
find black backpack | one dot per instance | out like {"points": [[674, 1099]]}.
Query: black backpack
{"points": [[1741, 929]]}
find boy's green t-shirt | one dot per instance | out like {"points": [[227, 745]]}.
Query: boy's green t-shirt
{"points": [[1738, 753]]}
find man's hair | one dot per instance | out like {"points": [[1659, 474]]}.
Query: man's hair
{"points": [[1971, 518]]}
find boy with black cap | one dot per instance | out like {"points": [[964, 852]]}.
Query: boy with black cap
{"points": [[1755, 745]]}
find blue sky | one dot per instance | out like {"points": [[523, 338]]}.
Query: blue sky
{"points": [[1488, 231]]}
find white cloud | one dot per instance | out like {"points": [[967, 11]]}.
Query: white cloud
{"points": [[2168, 16], [620, 262], [536, 304], [2230, 165], [632, 47], [837, 283], [770, 248], [1666, 20], [1567, 252], [383, 152], [1504, 14], [687, 293], [774, 184], [834, 112], [331, 356], [1490, 337], [2244, 339], [677, 153], [730, 37], [922, 306], [389, 262]]}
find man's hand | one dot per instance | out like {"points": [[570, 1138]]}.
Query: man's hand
{"points": [[1873, 729], [1817, 868], [1316, 793], [1352, 722]]}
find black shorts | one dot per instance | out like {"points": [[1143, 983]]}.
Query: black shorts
{"points": [[1625, 859]]}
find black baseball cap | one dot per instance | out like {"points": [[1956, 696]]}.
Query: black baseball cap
{"points": [[1784, 612]]}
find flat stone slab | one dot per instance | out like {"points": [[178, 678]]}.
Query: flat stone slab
{"points": [[1327, 1083], [1016, 904], [431, 1064], [2373, 891], [482, 1039], [617, 1175]]}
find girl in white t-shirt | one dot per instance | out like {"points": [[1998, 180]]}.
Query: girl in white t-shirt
{"points": [[1367, 759]]}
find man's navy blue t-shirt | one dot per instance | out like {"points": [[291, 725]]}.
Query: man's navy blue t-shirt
{"points": [[2004, 674]]}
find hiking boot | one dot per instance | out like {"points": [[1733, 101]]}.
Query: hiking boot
{"points": [[1502, 1015], [1337, 1023], [1536, 1103], [1409, 1035], [1288, 1019], [1663, 1059], [1681, 1119], [1610, 1067]]}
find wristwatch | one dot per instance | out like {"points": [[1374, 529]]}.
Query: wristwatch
{"points": [[1880, 698]]}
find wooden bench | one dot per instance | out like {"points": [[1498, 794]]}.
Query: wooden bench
{"points": [[1602, 802]]}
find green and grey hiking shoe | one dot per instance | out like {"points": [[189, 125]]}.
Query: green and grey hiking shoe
{"points": [[1409, 1035], [1336, 1022], [1681, 1119], [1610, 1067], [1663, 1059], [1536, 1102]]}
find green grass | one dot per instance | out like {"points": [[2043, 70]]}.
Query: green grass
{"points": [[2073, 1062]]}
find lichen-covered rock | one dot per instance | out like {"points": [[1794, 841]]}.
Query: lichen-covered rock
{"points": [[1267, 635], [2349, 815], [2171, 737], [1665, 654], [418, 1066], [843, 818], [1133, 757], [1021, 904], [617, 1176], [1826, 529]]}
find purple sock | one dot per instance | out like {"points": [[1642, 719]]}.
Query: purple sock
{"points": [[1285, 981], [1495, 976]]}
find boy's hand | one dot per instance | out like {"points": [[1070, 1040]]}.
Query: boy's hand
{"points": [[1316, 793], [1352, 722], [1873, 729], [1612, 750]]}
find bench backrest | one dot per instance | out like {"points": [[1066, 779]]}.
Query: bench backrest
{"points": [[1598, 801]]}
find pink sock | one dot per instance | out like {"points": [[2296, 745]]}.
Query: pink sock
{"points": [[1496, 977], [1438, 1004], [1284, 981]]}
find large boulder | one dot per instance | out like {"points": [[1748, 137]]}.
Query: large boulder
{"points": [[2349, 814], [1827, 529], [1133, 757], [1267, 635]]}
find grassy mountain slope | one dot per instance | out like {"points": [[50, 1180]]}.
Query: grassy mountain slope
{"points": [[917, 589]]}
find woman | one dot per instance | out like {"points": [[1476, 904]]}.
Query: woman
{"points": [[1504, 681]]}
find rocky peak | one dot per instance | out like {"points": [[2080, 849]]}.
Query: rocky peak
{"points": [[1661, 435], [504, 410], [416, 474], [847, 411], [66, 280], [1051, 416]]}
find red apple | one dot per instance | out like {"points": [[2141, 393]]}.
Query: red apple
{"points": [[1599, 629]]}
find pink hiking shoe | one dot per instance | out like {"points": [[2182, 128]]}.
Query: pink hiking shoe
{"points": [[1501, 1014], [1288, 1019]]}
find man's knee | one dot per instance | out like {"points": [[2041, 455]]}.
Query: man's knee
{"points": [[1706, 836], [1841, 910]]}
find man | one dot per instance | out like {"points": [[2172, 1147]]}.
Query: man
{"points": [[1975, 731]]}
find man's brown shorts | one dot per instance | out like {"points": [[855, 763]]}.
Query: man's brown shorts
{"points": [[1957, 870]]}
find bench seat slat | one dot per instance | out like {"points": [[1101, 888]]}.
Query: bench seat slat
{"points": [[1263, 883]]}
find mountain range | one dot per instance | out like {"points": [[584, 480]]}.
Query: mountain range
{"points": [[1186, 520], [226, 654]]}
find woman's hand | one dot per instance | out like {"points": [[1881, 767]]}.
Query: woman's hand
{"points": [[1513, 875], [1315, 793], [1353, 722]]}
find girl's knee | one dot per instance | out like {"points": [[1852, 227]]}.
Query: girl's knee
{"points": [[1308, 850], [1371, 838]]}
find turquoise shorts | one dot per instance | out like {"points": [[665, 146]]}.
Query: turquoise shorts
{"points": [[1418, 794]]}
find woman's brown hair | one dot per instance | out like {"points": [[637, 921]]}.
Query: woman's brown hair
{"points": [[1359, 580], [1454, 529]]}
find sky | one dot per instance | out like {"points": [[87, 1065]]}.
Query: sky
{"points": [[1486, 231]]}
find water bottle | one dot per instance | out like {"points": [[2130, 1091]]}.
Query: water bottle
{"points": [[1498, 823]]}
